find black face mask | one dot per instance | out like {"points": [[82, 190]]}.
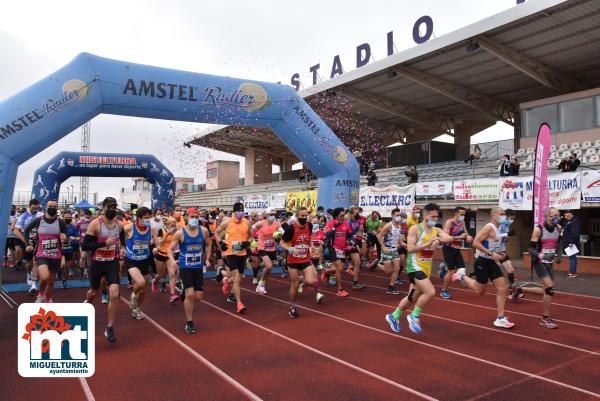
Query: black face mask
{"points": [[68, 221], [51, 211], [302, 220], [357, 216], [110, 214], [13, 212]]}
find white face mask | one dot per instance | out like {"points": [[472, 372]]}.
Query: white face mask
{"points": [[417, 215]]}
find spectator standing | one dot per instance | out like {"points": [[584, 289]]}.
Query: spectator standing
{"points": [[514, 167], [574, 162], [504, 166], [475, 155], [372, 178], [412, 174], [570, 237]]}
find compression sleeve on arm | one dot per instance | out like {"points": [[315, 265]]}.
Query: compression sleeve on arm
{"points": [[90, 243], [533, 250]]}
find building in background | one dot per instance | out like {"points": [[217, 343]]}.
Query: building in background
{"points": [[221, 174], [183, 185]]}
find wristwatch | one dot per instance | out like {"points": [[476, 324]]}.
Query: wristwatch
{"points": [[489, 253]]}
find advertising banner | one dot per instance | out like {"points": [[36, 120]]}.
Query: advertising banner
{"points": [[256, 203], [278, 200], [307, 199], [541, 198], [484, 189], [564, 192], [434, 188], [590, 185], [386, 199]]}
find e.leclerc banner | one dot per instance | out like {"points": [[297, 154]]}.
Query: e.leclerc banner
{"points": [[540, 174], [564, 192], [256, 203], [386, 199]]}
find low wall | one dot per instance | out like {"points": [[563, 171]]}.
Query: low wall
{"points": [[585, 264]]}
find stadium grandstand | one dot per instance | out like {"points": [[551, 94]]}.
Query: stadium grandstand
{"points": [[537, 62]]}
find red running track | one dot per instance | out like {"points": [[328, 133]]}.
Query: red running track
{"points": [[339, 350]]}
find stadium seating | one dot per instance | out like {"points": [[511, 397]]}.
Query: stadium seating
{"points": [[575, 146], [597, 143], [562, 147], [586, 145]]}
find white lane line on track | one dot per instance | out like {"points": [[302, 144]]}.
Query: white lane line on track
{"points": [[491, 308], [331, 357], [239, 387], [493, 329], [89, 396], [498, 365], [494, 294]]}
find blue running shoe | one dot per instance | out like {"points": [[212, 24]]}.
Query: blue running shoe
{"points": [[414, 324], [442, 272], [104, 298], [399, 281], [394, 324], [445, 294]]}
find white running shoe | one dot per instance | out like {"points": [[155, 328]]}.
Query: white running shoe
{"points": [[459, 275], [300, 288], [134, 300], [319, 297], [40, 299], [503, 323], [261, 289], [29, 280], [254, 281]]}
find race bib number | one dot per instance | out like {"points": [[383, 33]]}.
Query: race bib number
{"points": [[426, 255], [236, 247], [300, 252], [193, 258], [549, 254], [269, 244], [340, 253], [50, 247], [140, 248], [106, 254]]}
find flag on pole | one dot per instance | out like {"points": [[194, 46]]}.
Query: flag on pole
{"points": [[540, 174]]}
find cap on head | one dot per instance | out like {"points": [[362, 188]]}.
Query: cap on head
{"points": [[191, 210], [416, 209], [109, 201]]}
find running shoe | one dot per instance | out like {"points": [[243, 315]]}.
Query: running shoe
{"points": [[414, 323], [319, 297], [64, 283], [226, 286], [342, 293], [134, 300], [29, 280], [293, 312], [350, 271], [445, 294], [399, 281], [40, 299], [503, 323], [443, 271], [241, 308], [231, 299], [173, 298], [394, 324], [516, 294], [571, 275], [104, 298], [358, 286], [109, 333], [163, 286], [548, 323], [154, 287], [179, 285], [33, 290], [189, 328], [392, 290], [261, 289], [254, 281], [300, 288], [459, 275], [129, 285], [137, 313]]}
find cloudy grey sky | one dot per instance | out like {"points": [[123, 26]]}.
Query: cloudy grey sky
{"points": [[265, 40]]}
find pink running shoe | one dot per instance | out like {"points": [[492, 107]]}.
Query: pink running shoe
{"points": [[173, 298], [154, 287]]}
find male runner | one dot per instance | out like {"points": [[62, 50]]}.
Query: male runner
{"points": [[194, 253], [415, 217], [296, 240], [138, 237], [178, 214], [487, 243], [68, 246], [423, 238], [238, 235], [267, 247], [338, 232], [455, 227], [84, 258], [20, 245], [163, 264], [355, 243], [51, 232], [390, 239], [372, 225], [505, 232], [102, 240], [9, 259], [544, 249]]}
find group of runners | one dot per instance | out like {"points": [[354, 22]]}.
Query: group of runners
{"points": [[172, 251]]}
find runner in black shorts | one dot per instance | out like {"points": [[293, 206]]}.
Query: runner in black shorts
{"points": [[487, 242], [455, 227]]}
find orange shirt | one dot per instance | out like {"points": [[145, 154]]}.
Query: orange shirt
{"points": [[235, 234]]}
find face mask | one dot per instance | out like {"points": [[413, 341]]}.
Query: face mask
{"points": [[271, 218], [510, 221], [239, 215], [357, 216], [398, 219], [110, 214], [158, 217], [193, 222], [33, 210], [417, 215], [177, 215], [68, 221], [555, 220], [431, 223], [201, 219], [302, 220], [13, 212], [51, 211], [321, 214], [146, 222], [461, 218], [502, 219], [403, 221]]}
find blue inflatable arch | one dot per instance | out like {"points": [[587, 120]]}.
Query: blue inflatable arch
{"points": [[51, 108], [48, 178]]}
